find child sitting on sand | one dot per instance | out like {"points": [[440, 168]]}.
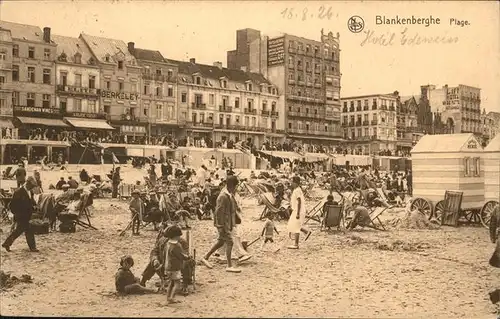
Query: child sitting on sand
{"points": [[174, 258], [125, 281]]}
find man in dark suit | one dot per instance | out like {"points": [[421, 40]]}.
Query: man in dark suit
{"points": [[22, 206], [225, 220]]}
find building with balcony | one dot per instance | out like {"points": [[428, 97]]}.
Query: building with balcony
{"points": [[32, 76], [459, 108], [408, 131], [158, 90], [6, 86], [369, 122], [119, 82], [306, 71], [77, 84], [490, 123], [224, 104]]}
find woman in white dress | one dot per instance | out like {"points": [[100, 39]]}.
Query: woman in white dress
{"points": [[298, 215]]}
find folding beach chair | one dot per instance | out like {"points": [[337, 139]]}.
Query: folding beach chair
{"points": [[334, 217], [268, 206], [125, 191], [315, 213], [84, 212], [5, 207], [375, 221]]}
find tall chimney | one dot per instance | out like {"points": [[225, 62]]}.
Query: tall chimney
{"points": [[131, 47], [192, 60], [46, 34], [218, 64]]}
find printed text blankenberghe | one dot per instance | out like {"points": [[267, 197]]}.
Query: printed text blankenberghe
{"points": [[397, 20]]}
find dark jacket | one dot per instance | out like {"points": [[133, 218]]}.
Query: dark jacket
{"points": [[116, 179], [225, 211], [21, 205], [20, 174], [123, 278], [494, 224]]}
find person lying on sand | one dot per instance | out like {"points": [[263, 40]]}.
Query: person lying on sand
{"points": [[125, 281]]}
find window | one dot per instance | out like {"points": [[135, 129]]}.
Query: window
{"points": [[224, 84], [2, 79], [63, 104], [211, 99], [78, 80], [170, 73], [92, 81], [46, 54], [246, 120], [63, 78], [250, 104], [254, 121], [146, 89], [133, 87], [158, 71], [249, 87], [15, 98], [46, 76], [170, 91], [3, 55], [31, 74], [183, 97], [92, 107], [30, 99], [108, 85], [289, 124], [236, 102], [78, 105], [159, 112], [31, 52], [15, 51], [158, 91], [120, 65], [273, 107], [46, 101], [198, 80]]}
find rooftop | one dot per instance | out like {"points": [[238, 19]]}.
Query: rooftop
{"points": [[149, 55], [446, 143], [23, 31], [115, 49], [70, 46], [216, 73]]}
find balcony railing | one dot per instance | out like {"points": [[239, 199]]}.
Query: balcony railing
{"points": [[226, 108], [77, 90], [365, 122], [383, 107], [391, 108], [374, 122], [374, 106], [274, 113], [201, 106], [265, 112], [133, 118], [250, 111]]}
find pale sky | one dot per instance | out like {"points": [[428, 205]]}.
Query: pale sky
{"points": [[205, 31]]}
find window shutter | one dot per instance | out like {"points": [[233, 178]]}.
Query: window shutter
{"points": [[466, 166]]}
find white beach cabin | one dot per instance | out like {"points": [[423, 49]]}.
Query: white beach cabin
{"points": [[491, 169], [447, 162]]}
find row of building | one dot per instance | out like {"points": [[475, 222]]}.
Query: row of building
{"points": [[273, 88]]}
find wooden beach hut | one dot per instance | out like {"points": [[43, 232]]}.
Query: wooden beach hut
{"points": [[448, 162], [491, 170]]}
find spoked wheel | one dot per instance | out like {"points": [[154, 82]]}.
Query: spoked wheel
{"points": [[438, 211], [486, 211], [423, 206]]}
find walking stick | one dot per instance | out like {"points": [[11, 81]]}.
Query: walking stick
{"points": [[128, 226]]}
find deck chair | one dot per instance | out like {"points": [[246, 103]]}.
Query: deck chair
{"points": [[84, 212], [5, 208], [7, 172], [334, 217], [315, 213], [375, 221], [125, 191], [268, 206]]}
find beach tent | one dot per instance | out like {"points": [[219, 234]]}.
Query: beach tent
{"points": [[491, 168], [448, 162]]}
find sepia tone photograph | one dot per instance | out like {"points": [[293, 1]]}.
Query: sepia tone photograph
{"points": [[324, 159]]}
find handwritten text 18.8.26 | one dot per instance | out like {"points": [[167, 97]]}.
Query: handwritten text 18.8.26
{"points": [[322, 13]]}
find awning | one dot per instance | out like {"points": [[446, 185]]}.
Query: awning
{"points": [[288, 155], [42, 121], [89, 123], [315, 157], [6, 123]]}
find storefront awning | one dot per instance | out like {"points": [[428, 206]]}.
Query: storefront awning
{"points": [[282, 154], [42, 121], [89, 123], [6, 123]]}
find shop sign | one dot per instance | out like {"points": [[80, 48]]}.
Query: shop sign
{"points": [[119, 95], [86, 115]]}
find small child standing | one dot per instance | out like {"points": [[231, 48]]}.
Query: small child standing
{"points": [[175, 258], [136, 207], [268, 231]]}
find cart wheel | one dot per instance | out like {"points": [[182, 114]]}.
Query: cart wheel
{"points": [[423, 206], [486, 211], [438, 211]]}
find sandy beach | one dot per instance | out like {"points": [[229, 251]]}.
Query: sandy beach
{"points": [[440, 273]]}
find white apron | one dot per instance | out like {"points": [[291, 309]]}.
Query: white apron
{"points": [[294, 224]]}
